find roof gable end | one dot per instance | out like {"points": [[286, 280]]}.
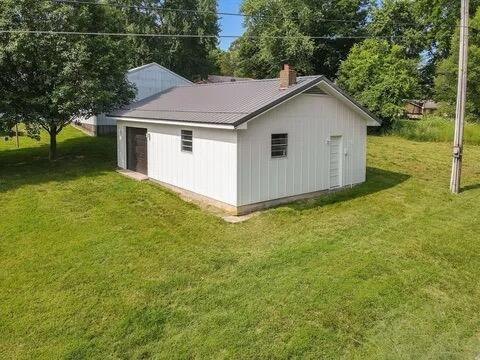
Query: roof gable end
{"points": [[325, 86], [160, 67]]}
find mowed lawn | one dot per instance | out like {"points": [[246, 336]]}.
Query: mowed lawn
{"points": [[95, 265]]}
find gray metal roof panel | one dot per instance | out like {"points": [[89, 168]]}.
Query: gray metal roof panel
{"points": [[219, 103], [228, 103]]}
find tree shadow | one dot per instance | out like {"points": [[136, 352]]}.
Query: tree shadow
{"points": [[377, 180], [93, 156], [77, 157]]}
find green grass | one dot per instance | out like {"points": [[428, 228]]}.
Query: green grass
{"points": [[435, 128], [95, 265]]}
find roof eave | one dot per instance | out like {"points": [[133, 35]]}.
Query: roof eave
{"points": [[172, 122], [372, 119]]}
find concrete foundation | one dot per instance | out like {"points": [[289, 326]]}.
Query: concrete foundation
{"points": [[132, 174], [244, 209]]}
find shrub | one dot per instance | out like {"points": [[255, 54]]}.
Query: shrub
{"points": [[435, 129]]}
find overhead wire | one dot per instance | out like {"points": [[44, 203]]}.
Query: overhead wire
{"points": [[160, 35], [164, 35], [167, 9]]}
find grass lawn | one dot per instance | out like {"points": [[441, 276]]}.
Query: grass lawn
{"points": [[435, 128], [95, 265]]}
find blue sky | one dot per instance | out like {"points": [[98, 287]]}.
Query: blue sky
{"points": [[229, 25]]}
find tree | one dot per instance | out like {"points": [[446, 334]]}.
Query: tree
{"points": [[279, 31], [447, 70], [381, 76], [189, 57], [399, 22], [422, 27], [52, 79], [225, 62]]}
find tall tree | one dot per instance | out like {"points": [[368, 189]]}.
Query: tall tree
{"points": [[447, 70], [381, 76], [51, 79], [279, 31], [399, 22], [423, 27], [189, 57]]}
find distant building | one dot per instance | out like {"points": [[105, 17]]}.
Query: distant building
{"points": [[213, 79], [149, 80], [429, 107], [415, 109]]}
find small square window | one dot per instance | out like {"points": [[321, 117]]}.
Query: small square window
{"points": [[187, 140], [279, 145]]}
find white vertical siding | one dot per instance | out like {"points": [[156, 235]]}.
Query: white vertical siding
{"points": [[153, 79], [122, 144], [210, 170], [309, 120], [92, 120]]}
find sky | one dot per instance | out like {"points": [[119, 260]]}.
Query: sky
{"points": [[229, 25]]}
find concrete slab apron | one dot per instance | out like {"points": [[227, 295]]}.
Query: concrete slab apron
{"points": [[132, 174]]}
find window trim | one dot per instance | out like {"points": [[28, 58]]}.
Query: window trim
{"points": [[282, 146], [184, 147]]}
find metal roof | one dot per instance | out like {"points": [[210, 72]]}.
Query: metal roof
{"points": [[229, 103], [220, 78]]}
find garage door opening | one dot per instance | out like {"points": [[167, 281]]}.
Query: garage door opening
{"points": [[137, 159]]}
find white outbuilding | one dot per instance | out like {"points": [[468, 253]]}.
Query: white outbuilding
{"points": [[247, 145], [149, 79]]}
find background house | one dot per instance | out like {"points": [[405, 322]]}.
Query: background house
{"points": [[246, 145], [212, 79], [149, 80], [415, 109]]}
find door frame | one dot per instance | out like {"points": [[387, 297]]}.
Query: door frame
{"points": [[340, 162], [127, 148]]}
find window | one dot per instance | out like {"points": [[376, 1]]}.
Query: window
{"points": [[187, 140], [279, 145]]}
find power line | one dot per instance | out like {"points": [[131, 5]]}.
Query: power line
{"points": [[146, 7], [153, 35], [153, 7]]}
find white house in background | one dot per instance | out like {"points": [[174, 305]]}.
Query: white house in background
{"points": [[149, 79], [247, 145]]}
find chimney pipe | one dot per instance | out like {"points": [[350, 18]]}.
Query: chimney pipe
{"points": [[288, 76]]}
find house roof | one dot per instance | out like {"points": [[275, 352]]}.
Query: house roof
{"points": [[425, 104], [417, 103], [227, 103], [222, 78]]}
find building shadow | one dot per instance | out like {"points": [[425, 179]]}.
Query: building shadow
{"points": [[377, 180], [77, 157], [470, 187], [94, 156]]}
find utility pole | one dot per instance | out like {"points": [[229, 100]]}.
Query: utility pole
{"points": [[461, 98]]}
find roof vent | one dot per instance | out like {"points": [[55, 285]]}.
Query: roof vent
{"points": [[288, 77]]}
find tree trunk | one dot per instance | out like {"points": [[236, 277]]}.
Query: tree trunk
{"points": [[52, 155], [16, 135]]}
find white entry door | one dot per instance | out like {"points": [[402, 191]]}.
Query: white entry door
{"points": [[335, 162]]}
